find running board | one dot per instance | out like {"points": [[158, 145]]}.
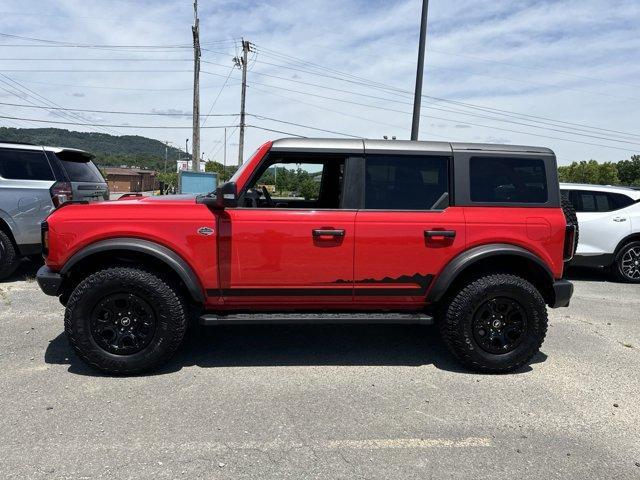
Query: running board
{"points": [[316, 318]]}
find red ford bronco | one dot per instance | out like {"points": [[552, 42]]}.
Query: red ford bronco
{"points": [[473, 237]]}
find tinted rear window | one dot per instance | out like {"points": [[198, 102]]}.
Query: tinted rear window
{"points": [[508, 180], [24, 165], [81, 170]]}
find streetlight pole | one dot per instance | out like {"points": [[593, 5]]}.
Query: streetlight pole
{"points": [[415, 126]]}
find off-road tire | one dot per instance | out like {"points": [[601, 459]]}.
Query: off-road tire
{"points": [[167, 304], [570, 216], [617, 264], [9, 259], [456, 322]]}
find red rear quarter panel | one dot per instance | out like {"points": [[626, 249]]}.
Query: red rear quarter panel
{"points": [[539, 230]]}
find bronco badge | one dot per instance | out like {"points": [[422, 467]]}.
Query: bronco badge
{"points": [[206, 231]]}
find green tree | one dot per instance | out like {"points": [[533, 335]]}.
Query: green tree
{"points": [[629, 171], [169, 181], [590, 172], [608, 174], [224, 173]]}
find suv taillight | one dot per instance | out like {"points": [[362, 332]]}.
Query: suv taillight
{"points": [[61, 192], [44, 236], [569, 242]]}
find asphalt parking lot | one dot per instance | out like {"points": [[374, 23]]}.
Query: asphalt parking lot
{"points": [[325, 401]]}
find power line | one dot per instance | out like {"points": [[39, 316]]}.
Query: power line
{"points": [[461, 121], [118, 112], [25, 93], [365, 82], [276, 131], [94, 45], [262, 117], [466, 105], [95, 59], [109, 125], [104, 87], [224, 85], [466, 122]]}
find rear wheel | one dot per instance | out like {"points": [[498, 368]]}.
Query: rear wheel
{"points": [[627, 264], [125, 320], [495, 324], [9, 259]]}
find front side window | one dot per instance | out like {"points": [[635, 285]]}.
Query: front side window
{"points": [[404, 182], [508, 180], [296, 183], [24, 165]]}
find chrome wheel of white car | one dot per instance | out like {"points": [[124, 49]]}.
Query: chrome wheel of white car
{"points": [[628, 263]]}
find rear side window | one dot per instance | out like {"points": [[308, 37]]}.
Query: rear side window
{"points": [[508, 180], [24, 165], [592, 201], [405, 182]]}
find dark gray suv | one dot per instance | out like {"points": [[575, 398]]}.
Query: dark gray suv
{"points": [[33, 181]]}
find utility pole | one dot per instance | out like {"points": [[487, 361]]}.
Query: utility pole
{"points": [[242, 63], [415, 126], [196, 87], [224, 156]]}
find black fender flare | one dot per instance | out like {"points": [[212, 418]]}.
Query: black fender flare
{"points": [[467, 258], [160, 252]]}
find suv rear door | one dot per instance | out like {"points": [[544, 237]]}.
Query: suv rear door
{"points": [[406, 230], [87, 183]]}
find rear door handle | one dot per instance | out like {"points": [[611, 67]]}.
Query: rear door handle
{"points": [[619, 219], [440, 233], [327, 233]]}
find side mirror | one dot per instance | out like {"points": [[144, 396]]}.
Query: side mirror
{"points": [[224, 196]]}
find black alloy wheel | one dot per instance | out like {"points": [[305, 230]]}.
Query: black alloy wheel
{"points": [[123, 324], [499, 325]]}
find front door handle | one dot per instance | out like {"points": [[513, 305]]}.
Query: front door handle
{"points": [[327, 233], [440, 233]]}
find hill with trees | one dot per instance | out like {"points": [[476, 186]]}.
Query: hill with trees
{"points": [[110, 150]]}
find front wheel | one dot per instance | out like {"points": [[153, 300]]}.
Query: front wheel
{"points": [[627, 264], [496, 323], [125, 320]]}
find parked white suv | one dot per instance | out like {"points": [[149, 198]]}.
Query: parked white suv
{"points": [[609, 221]]}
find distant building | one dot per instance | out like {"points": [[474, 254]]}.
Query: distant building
{"points": [[187, 165], [130, 179]]}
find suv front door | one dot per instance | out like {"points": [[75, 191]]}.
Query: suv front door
{"points": [[289, 242], [406, 232]]}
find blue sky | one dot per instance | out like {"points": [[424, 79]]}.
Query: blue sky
{"points": [[563, 74]]}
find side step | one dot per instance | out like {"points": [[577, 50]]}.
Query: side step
{"points": [[316, 318]]}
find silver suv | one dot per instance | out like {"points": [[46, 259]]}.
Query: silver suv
{"points": [[33, 181]]}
